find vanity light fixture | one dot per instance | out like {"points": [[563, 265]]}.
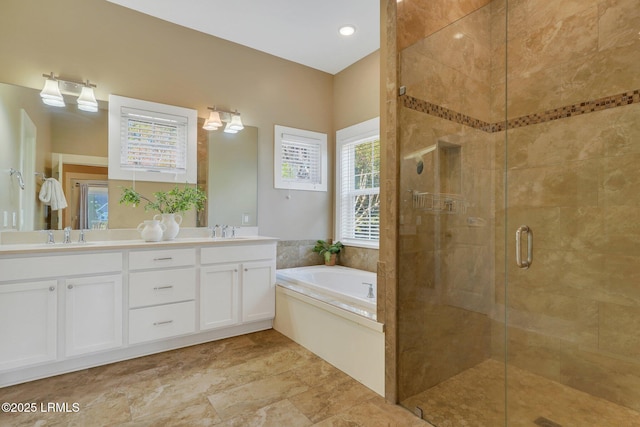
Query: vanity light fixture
{"points": [[236, 122], [51, 94], [229, 129], [213, 122], [87, 99], [218, 116]]}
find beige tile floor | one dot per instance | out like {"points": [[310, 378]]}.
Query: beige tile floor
{"points": [[476, 398], [260, 379]]}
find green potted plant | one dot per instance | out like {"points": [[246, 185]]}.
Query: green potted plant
{"points": [[329, 251], [168, 204]]}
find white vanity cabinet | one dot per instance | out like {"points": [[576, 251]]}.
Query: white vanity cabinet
{"points": [[162, 293], [242, 278], [93, 312], [219, 296], [68, 308], [258, 291], [28, 323], [47, 297]]}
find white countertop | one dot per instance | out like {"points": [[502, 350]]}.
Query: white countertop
{"points": [[101, 245]]}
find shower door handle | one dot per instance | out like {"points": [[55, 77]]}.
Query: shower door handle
{"points": [[519, 232]]}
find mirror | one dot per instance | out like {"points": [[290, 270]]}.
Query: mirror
{"points": [[72, 146]]}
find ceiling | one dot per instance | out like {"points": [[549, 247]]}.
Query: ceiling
{"points": [[302, 31]]}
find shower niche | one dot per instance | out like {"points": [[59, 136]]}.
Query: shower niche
{"points": [[440, 185]]}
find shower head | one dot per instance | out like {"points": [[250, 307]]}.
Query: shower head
{"points": [[18, 175]]}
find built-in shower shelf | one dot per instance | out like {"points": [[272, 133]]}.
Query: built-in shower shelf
{"points": [[439, 202]]}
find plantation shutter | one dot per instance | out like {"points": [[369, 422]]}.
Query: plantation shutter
{"points": [[153, 142], [300, 159]]}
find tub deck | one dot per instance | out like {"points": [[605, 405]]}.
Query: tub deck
{"points": [[344, 335], [294, 279]]}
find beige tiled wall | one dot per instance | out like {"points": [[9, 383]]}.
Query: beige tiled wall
{"points": [[572, 315], [299, 253], [417, 19]]}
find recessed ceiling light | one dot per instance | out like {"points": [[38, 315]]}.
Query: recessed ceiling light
{"points": [[347, 30]]}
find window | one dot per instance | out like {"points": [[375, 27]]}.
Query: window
{"points": [[151, 142], [358, 184], [300, 159]]}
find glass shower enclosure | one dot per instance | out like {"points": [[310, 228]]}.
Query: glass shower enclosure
{"points": [[519, 250]]}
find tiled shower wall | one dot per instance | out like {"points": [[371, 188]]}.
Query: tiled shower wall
{"points": [[572, 176], [574, 315]]}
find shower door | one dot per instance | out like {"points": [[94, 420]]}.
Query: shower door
{"points": [[572, 174], [519, 120]]}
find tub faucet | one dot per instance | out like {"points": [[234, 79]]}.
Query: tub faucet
{"points": [[370, 294], [67, 235]]}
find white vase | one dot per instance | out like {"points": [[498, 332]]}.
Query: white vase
{"points": [[171, 223], [151, 230]]}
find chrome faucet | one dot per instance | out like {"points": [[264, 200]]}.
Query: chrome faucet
{"points": [[224, 231], [214, 231], [50, 239], [81, 237], [370, 294], [67, 235]]}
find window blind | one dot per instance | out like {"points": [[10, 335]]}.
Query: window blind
{"points": [[153, 142], [360, 190]]}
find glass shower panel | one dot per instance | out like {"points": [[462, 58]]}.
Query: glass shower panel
{"points": [[573, 170], [450, 330], [519, 113]]}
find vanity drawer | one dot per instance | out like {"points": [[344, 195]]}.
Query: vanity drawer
{"points": [[140, 260], [59, 265], [163, 321], [223, 254], [161, 287]]}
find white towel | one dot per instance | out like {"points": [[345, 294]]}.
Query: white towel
{"points": [[51, 194]]}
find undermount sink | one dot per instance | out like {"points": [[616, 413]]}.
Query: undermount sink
{"points": [[227, 239], [68, 245]]}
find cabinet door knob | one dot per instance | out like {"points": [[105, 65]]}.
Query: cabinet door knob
{"points": [[52, 288], [69, 286], [246, 269]]}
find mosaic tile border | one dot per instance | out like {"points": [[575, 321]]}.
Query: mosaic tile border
{"points": [[443, 112], [619, 100]]}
